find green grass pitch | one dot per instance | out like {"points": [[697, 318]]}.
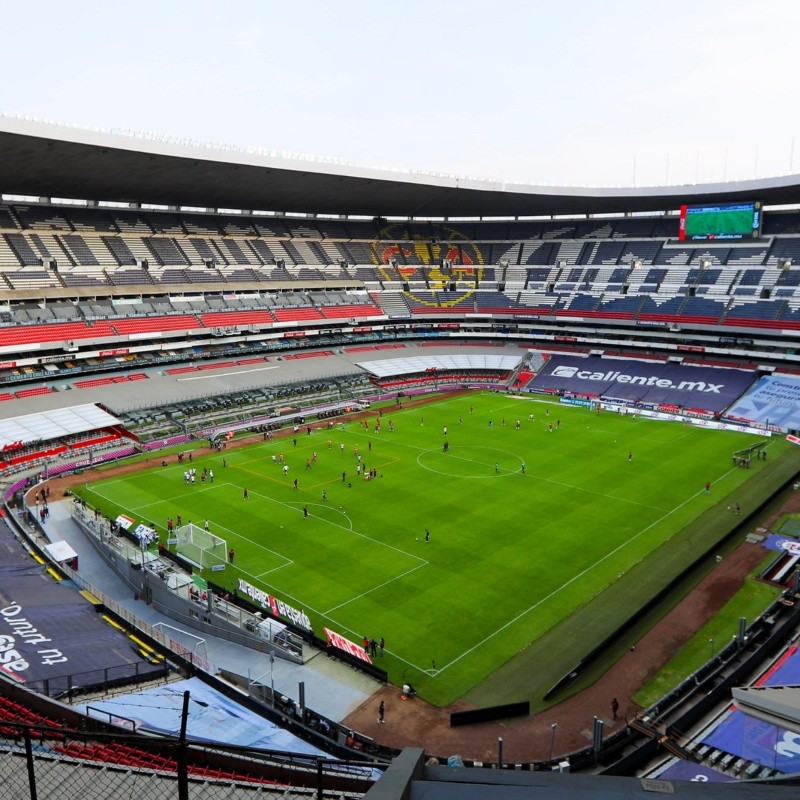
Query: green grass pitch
{"points": [[511, 555], [719, 223]]}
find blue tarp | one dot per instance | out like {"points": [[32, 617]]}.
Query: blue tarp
{"points": [[775, 399], [759, 741], [48, 632], [649, 382], [689, 771], [212, 717]]}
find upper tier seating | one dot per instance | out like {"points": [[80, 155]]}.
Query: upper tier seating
{"points": [[54, 332], [174, 322], [21, 247], [165, 251], [238, 270], [297, 314], [227, 319], [348, 311]]}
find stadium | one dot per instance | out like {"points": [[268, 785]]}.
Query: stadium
{"points": [[285, 443]]}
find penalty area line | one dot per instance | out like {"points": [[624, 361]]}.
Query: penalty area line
{"points": [[375, 588]]}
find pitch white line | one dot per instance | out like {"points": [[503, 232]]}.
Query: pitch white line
{"points": [[577, 577], [336, 525], [375, 588], [177, 497]]}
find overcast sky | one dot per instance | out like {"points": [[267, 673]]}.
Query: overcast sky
{"points": [[576, 92]]}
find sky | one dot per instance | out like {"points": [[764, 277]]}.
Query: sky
{"points": [[573, 93]]}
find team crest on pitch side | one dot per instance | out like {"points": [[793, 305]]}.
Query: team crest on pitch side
{"points": [[426, 253]]}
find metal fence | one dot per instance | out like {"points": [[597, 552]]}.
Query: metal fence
{"points": [[39, 762]]}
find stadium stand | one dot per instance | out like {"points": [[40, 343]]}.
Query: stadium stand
{"points": [[186, 272], [93, 297]]}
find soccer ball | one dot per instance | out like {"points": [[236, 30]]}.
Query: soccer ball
{"points": [[418, 536]]}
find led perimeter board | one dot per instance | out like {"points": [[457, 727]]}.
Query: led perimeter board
{"points": [[728, 221]]}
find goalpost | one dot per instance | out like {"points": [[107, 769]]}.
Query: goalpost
{"points": [[200, 546]]}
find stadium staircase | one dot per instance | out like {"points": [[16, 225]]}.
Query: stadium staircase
{"points": [[667, 740]]}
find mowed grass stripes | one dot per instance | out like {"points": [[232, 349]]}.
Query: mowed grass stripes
{"points": [[511, 554]]}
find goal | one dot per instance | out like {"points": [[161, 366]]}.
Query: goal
{"points": [[201, 547]]}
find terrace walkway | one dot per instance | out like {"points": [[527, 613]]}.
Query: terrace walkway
{"points": [[332, 689]]}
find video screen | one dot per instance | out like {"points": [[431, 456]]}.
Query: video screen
{"points": [[726, 221]]}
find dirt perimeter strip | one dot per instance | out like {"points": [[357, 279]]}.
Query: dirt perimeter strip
{"points": [[416, 723], [419, 724]]}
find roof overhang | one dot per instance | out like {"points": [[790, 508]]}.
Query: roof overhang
{"points": [[43, 160], [778, 705]]}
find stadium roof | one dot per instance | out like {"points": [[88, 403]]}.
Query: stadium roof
{"points": [[56, 424], [44, 160]]}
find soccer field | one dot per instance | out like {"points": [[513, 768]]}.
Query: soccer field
{"points": [[513, 551]]}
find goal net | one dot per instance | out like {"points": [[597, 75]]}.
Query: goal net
{"points": [[200, 546]]}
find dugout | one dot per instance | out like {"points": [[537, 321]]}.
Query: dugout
{"points": [[272, 631]]}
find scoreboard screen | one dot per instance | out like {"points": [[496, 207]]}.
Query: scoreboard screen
{"points": [[727, 221]]}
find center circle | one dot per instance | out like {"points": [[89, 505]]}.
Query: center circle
{"points": [[470, 461]]}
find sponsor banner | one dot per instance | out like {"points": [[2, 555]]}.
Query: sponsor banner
{"points": [[572, 401], [773, 401], [565, 338], [649, 413], [448, 325], [7, 364], [293, 334], [119, 351], [690, 348], [54, 359], [697, 412], [144, 534], [363, 329], [782, 545], [726, 426], [345, 644], [125, 522], [277, 607], [647, 382], [793, 439]]}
